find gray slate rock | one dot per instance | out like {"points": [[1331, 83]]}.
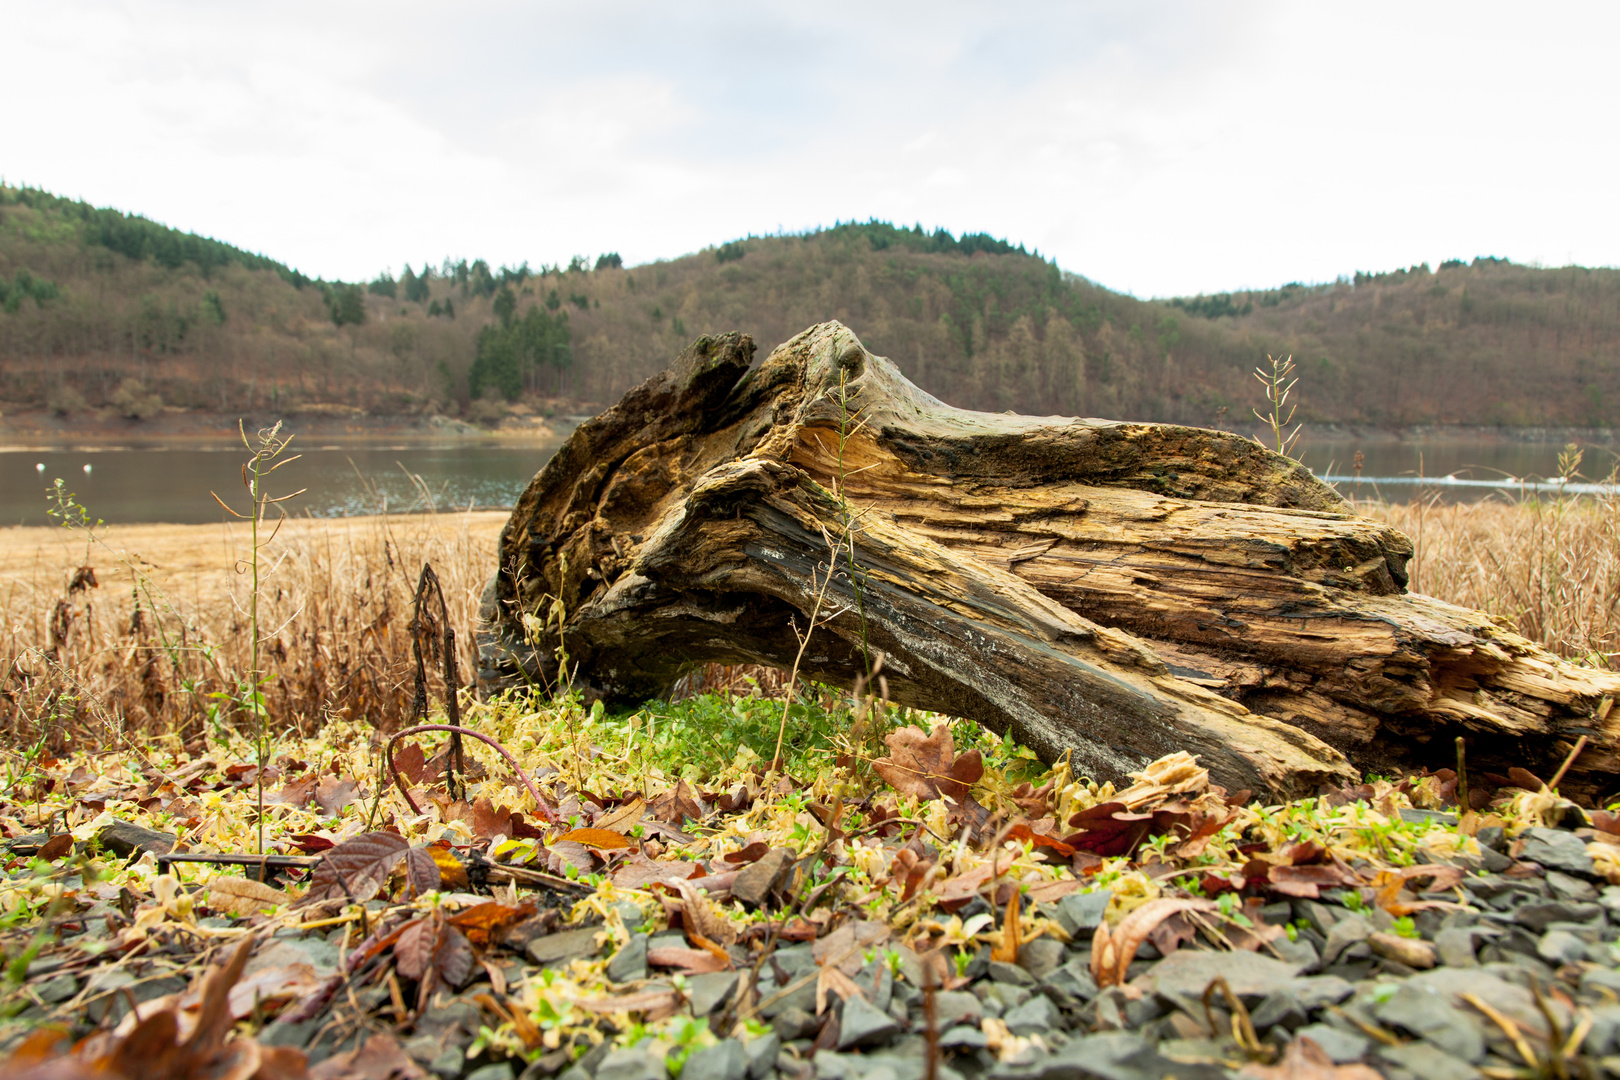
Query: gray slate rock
{"points": [[1565, 887], [762, 1055], [1425, 1013], [500, 1070], [864, 1024], [1079, 913], [1109, 1055], [952, 1007], [726, 1060], [449, 1062], [710, 990], [1340, 1045], [963, 1037], [1422, 1060], [126, 840], [1455, 946], [1189, 971], [754, 882], [1539, 916], [1561, 947], [1348, 931], [1042, 956], [1003, 972], [1037, 1016], [630, 1063], [795, 1023], [57, 988], [629, 964], [563, 946], [1556, 850]]}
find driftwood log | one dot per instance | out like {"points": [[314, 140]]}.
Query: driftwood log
{"points": [[1112, 590]]}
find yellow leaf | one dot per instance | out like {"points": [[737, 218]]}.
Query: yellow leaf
{"points": [[242, 896], [596, 838]]}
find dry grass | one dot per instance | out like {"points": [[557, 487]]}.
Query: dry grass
{"points": [[1549, 569], [153, 643], [156, 646]]}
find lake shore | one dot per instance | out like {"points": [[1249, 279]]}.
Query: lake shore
{"points": [[28, 429]]}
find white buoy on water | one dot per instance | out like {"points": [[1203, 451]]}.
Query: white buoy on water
{"points": [[87, 470], [39, 467]]}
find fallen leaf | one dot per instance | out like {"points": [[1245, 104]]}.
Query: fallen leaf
{"points": [[624, 818], [698, 961], [1113, 950], [421, 872], [699, 916], [605, 839], [411, 764], [752, 853], [269, 986], [845, 947], [484, 923], [357, 868], [1006, 950], [381, 1058], [653, 1003], [413, 951], [1108, 829], [926, 765], [452, 874], [300, 792], [453, 957], [1303, 1059], [56, 847], [332, 794], [676, 806], [1025, 833], [242, 896]]}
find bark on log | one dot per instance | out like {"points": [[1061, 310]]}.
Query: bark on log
{"points": [[1118, 591]]}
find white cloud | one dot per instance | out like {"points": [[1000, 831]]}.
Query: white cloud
{"points": [[1164, 148]]}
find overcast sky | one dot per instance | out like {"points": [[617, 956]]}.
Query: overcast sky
{"points": [[1158, 148]]}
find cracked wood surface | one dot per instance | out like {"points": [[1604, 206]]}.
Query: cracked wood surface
{"points": [[1116, 591]]}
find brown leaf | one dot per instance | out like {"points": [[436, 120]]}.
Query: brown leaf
{"points": [[242, 896], [699, 961], [412, 765], [453, 957], [1113, 950], [269, 986], [312, 843], [332, 794], [604, 839], [699, 917], [926, 765], [421, 872], [561, 854], [653, 1003], [300, 792], [486, 922], [676, 806], [845, 947], [56, 847], [413, 951], [625, 817], [1307, 882], [1304, 1060], [356, 868], [752, 853], [381, 1058]]}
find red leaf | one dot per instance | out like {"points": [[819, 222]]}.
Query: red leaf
{"points": [[356, 868], [1108, 829], [676, 806], [411, 764]]}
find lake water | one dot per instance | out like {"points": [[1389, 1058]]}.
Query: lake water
{"points": [[173, 484]]}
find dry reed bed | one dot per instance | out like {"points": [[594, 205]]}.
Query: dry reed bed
{"points": [[144, 652], [160, 643], [1548, 569]]}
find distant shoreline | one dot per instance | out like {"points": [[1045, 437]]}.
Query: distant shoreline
{"points": [[39, 429]]}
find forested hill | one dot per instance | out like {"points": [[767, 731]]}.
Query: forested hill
{"points": [[103, 312]]}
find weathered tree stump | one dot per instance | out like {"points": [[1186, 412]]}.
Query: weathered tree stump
{"points": [[1117, 591]]}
